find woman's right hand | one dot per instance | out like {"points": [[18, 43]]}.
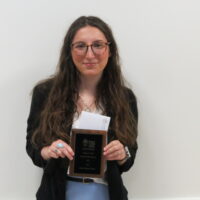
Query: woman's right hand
{"points": [[54, 151]]}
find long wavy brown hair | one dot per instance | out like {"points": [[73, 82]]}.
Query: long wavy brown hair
{"points": [[56, 117]]}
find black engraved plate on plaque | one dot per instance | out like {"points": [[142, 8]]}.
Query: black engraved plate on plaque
{"points": [[88, 151], [88, 148]]}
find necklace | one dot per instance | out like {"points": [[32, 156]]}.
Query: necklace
{"points": [[85, 106]]}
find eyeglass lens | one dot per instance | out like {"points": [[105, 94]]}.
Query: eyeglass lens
{"points": [[98, 48]]}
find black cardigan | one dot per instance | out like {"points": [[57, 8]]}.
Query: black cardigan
{"points": [[53, 182]]}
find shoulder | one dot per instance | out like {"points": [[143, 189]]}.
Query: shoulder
{"points": [[130, 95], [43, 88], [41, 92], [39, 98]]}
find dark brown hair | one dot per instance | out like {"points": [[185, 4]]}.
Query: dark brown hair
{"points": [[57, 115]]}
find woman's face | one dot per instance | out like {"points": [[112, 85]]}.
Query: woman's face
{"points": [[90, 60]]}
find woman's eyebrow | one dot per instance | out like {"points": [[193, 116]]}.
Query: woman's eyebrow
{"points": [[81, 41]]}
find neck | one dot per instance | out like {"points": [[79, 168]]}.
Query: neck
{"points": [[88, 85]]}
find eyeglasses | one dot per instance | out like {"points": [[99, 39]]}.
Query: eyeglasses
{"points": [[98, 48]]}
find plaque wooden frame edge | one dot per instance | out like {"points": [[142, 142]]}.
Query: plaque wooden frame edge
{"points": [[72, 143]]}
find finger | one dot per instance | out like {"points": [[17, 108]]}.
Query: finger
{"points": [[53, 153], [117, 155], [114, 154], [59, 153], [66, 151], [113, 143], [62, 149], [62, 155], [68, 154], [60, 144], [69, 149], [114, 148]]}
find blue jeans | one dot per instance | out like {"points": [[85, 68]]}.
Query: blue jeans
{"points": [[86, 191]]}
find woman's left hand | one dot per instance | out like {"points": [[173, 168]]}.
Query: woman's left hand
{"points": [[114, 151]]}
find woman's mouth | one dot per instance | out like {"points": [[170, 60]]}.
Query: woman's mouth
{"points": [[90, 64]]}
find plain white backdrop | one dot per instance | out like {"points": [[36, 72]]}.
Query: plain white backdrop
{"points": [[159, 45]]}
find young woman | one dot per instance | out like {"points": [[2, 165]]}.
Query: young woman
{"points": [[88, 78]]}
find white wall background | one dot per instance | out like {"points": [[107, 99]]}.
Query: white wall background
{"points": [[159, 42]]}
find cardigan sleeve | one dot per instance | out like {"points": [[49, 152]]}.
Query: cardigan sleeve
{"points": [[38, 100], [132, 148]]}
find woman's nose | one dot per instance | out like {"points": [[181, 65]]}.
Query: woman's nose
{"points": [[89, 52]]}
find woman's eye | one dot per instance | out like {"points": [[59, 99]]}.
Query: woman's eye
{"points": [[97, 45], [80, 46]]}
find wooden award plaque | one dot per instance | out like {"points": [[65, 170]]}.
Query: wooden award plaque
{"points": [[88, 149]]}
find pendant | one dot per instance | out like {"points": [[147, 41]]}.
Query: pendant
{"points": [[87, 109]]}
